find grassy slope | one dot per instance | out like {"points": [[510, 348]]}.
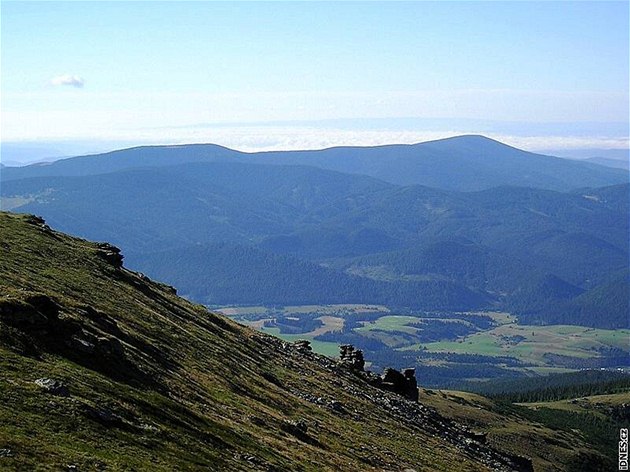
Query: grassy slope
{"points": [[549, 439], [191, 390], [194, 390]]}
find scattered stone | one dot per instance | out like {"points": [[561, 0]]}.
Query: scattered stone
{"points": [[252, 460], [334, 405], [480, 437], [303, 345], [149, 428], [298, 428], [102, 415], [53, 386], [6, 452]]}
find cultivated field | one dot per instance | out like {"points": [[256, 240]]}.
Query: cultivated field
{"points": [[442, 340]]}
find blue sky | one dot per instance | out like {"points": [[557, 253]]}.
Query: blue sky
{"points": [[288, 75]]}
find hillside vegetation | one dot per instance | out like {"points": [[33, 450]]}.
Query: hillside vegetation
{"points": [[245, 226]]}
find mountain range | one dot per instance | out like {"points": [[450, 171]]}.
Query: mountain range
{"points": [[461, 163], [465, 223]]}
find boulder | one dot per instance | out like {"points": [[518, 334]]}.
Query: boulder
{"points": [[53, 386], [109, 347], [298, 428], [80, 344], [403, 383], [303, 345], [110, 254]]}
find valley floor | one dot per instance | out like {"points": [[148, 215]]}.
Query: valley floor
{"points": [[496, 344]]}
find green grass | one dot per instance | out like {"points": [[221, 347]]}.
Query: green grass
{"points": [[572, 341], [391, 323], [596, 404], [549, 441], [333, 309]]}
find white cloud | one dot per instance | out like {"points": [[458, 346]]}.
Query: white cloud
{"points": [[112, 127], [276, 138], [69, 80]]}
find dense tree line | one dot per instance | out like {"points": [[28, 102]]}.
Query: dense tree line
{"points": [[555, 387], [225, 274], [546, 256]]}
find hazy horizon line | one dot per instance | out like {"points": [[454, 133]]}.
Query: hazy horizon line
{"points": [[25, 152]]}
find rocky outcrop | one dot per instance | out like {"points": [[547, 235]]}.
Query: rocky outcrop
{"points": [[351, 357], [403, 383], [394, 399], [111, 254], [303, 345], [29, 311], [53, 386], [298, 428], [38, 221]]}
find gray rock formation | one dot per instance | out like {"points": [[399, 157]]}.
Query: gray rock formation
{"points": [[303, 345], [53, 386], [111, 254], [403, 383], [351, 357]]}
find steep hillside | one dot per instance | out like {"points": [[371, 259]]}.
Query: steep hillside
{"points": [[458, 163], [102, 368]]}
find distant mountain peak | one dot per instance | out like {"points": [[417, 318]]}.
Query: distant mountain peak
{"points": [[464, 163], [473, 140]]}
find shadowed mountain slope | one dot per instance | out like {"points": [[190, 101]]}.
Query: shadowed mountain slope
{"points": [[408, 246]]}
